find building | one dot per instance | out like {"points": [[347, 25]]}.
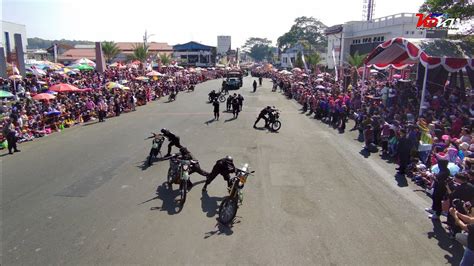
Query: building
{"points": [[364, 36], [224, 44], [126, 50], [194, 54], [288, 57], [8, 38]]}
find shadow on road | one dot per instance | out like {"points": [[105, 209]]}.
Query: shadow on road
{"points": [[230, 119], [221, 230], [144, 165], [401, 180], [452, 246], [168, 197], [210, 121], [210, 205]]}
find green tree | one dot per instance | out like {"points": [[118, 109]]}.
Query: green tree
{"points": [[454, 8], [299, 60], [356, 60], [257, 48], [313, 60], [140, 52], [110, 50], [307, 29], [165, 59]]}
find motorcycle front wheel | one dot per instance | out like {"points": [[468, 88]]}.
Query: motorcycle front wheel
{"points": [[227, 210], [276, 125], [222, 98]]}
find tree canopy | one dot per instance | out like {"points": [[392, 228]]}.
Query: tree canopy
{"points": [[140, 52], [307, 29], [457, 9], [258, 48], [110, 50]]}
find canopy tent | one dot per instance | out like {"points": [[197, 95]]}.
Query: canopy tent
{"points": [[447, 55], [400, 52]]}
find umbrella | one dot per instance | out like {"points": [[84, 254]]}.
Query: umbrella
{"points": [[125, 88], [373, 71], [41, 82], [397, 76], [84, 61], [84, 67], [296, 69], [453, 169], [53, 112], [319, 80], [320, 87], [38, 72], [154, 73], [5, 94], [285, 72], [113, 85], [44, 96], [62, 87], [12, 77], [142, 78], [51, 92]]}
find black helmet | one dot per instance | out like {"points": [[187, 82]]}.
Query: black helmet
{"points": [[164, 131], [229, 158]]}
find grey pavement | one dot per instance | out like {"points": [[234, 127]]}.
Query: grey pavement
{"points": [[82, 197]]}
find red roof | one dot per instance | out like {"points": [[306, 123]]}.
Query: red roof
{"points": [[78, 53]]}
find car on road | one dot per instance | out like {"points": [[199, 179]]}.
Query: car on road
{"points": [[233, 80]]}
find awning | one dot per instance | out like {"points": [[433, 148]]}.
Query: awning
{"points": [[400, 52]]}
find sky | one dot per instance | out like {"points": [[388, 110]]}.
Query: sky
{"points": [[181, 21]]}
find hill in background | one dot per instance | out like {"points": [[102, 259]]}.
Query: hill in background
{"points": [[38, 43]]}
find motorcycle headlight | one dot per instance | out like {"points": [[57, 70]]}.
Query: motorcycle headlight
{"points": [[243, 179], [185, 167]]}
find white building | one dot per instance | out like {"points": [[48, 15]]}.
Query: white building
{"points": [[9, 30], [364, 36], [288, 57], [223, 44]]}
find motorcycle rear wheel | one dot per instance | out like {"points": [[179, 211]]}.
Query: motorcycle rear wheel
{"points": [[227, 210], [276, 125]]}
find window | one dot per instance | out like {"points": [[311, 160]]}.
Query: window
{"points": [[406, 32], [412, 32], [382, 38], [421, 32]]}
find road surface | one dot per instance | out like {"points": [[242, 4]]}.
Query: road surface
{"points": [[82, 196]]}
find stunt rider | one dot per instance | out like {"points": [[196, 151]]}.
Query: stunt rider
{"points": [[172, 138], [195, 167], [224, 167], [263, 115]]}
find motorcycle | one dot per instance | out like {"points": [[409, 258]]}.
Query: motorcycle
{"points": [[178, 174], [220, 96], [230, 204], [155, 150], [273, 121]]}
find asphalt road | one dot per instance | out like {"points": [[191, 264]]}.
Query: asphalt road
{"points": [[82, 197]]}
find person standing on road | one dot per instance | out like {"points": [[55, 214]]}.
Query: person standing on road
{"points": [[172, 138], [235, 106], [215, 103], [254, 86], [102, 106], [260, 79], [240, 98], [229, 102], [404, 149], [10, 133], [439, 189]]}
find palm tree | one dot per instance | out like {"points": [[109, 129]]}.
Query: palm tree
{"points": [[165, 59], [140, 52], [314, 59], [110, 50], [356, 60]]}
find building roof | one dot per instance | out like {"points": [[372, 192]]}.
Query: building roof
{"points": [[333, 29], [152, 46], [78, 53], [191, 46]]}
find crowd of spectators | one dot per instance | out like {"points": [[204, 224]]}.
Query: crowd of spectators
{"points": [[27, 119], [435, 149]]}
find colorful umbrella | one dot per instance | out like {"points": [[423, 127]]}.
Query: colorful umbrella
{"points": [[62, 87], [13, 77], [113, 85], [154, 73], [5, 94], [84, 61], [84, 67], [142, 78], [44, 96], [53, 112], [296, 69]]}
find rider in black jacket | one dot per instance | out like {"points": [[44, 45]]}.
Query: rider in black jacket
{"points": [[224, 167], [195, 167], [172, 138], [263, 115]]}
